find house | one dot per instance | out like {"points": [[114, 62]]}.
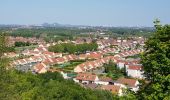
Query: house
{"points": [[60, 60], [135, 71], [58, 55], [90, 65], [94, 55], [82, 56], [100, 45], [70, 57], [104, 81], [41, 49], [119, 40], [49, 61], [52, 54], [29, 60], [120, 64], [37, 58], [34, 53], [11, 54], [15, 63], [40, 68], [80, 68], [128, 83], [26, 52], [22, 61], [112, 88], [49, 54], [86, 78], [42, 45], [86, 66], [31, 52]]}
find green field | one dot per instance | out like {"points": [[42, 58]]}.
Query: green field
{"points": [[68, 66]]}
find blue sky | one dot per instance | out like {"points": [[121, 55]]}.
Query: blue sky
{"points": [[85, 12]]}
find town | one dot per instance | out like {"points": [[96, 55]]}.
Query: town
{"points": [[85, 50], [113, 66]]}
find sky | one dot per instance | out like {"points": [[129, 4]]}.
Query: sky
{"points": [[85, 12]]}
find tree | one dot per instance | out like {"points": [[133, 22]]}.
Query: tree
{"points": [[20, 44], [72, 48], [156, 62], [4, 75], [2, 43], [57, 48], [137, 46], [113, 71]]}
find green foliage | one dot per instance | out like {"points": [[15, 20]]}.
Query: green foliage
{"points": [[64, 33], [134, 56], [113, 71], [20, 44], [72, 48], [48, 86], [128, 95], [125, 32], [156, 62], [2, 43], [56, 48], [3, 46], [50, 33], [110, 67]]}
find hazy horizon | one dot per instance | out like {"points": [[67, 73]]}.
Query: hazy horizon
{"points": [[85, 12]]}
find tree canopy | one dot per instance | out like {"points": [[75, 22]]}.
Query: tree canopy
{"points": [[156, 62], [72, 48]]}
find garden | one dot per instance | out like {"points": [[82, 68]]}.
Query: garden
{"points": [[68, 66]]}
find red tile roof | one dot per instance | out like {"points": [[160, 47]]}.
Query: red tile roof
{"points": [[126, 81], [135, 67], [60, 60], [48, 53], [105, 79], [39, 67], [86, 77], [95, 55]]}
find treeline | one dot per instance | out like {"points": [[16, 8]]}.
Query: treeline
{"points": [[49, 86], [113, 71], [20, 44], [3, 45], [64, 33], [131, 31], [50, 33], [37, 32], [72, 48]]}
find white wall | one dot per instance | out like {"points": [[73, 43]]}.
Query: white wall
{"points": [[120, 65], [77, 69], [101, 82], [135, 73]]}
